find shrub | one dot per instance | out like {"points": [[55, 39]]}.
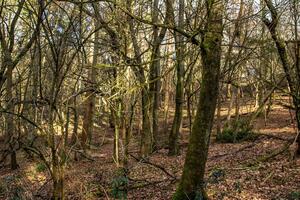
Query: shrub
{"points": [[120, 185], [40, 167], [237, 131]]}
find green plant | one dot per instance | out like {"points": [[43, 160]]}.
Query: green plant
{"points": [[237, 131], [119, 188], [2, 188], [40, 167], [120, 185], [238, 186], [295, 195], [18, 193]]}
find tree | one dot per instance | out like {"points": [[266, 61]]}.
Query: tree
{"points": [[191, 185], [179, 46], [292, 71], [88, 121], [10, 59]]}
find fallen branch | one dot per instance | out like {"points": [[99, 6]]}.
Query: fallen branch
{"points": [[146, 184], [268, 177], [275, 137], [235, 152], [83, 154], [269, 156], [154, 165]]}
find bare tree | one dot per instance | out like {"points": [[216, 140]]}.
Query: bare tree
{"points": [[191, 185]]}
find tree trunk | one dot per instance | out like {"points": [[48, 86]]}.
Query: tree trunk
{"points": [[166, 104], [189, 97], [191, 185], [88, 121], [173, 137], [298, 126], [118, 126], [35, 67], [154, 75], [154, 86], [66, 131], [58, 181], [286, 65], [237, 102], [57, 173], [74, 136], [219, 125], [10, 126], [146, 134], [232, 97]]}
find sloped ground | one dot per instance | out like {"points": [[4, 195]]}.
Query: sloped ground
{"points": [[233, 171]]}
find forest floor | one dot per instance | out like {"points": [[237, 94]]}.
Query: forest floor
{"points": [[234, 171]]}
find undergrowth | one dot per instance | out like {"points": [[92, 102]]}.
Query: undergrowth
{"points": [[237, 131]]}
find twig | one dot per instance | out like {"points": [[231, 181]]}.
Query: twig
{"points": [[104, 190], [268, 177]]}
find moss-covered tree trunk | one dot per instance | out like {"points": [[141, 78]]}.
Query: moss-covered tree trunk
{"points": [[191, 185], [146, 134], [58, 180]]}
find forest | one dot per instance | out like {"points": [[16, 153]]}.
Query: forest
{"points": [[149, 99]]}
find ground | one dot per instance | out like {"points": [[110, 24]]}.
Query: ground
{"points": [[234, 171]]}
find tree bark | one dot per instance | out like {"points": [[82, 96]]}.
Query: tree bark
{"points": [[191, 185], [10, 125], [219, 107], [88, 120], [174, 134]]}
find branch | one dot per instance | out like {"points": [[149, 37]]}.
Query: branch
{"points": [[155, 165], [191, 36], [24, 50]]}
